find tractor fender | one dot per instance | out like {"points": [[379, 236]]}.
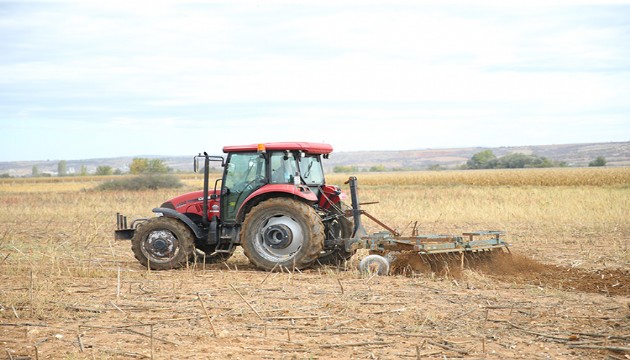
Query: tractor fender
{"points": [[185, 219]]}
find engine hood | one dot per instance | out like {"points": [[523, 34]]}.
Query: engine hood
{"points": [[185, 200]]}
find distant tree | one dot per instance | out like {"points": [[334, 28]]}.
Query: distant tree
{"points": [[104, 170], [83, 171], [147, 166], [62, 168], [513, 161], [542, 162], [5, 175], [435, 167], [599, 161], [117, 172], [345, 168], [139, 166], [482, 160], [35, 171], [377, 168], [157, 166]]}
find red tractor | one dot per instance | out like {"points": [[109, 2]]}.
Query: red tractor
{"points": [[272, 200]]}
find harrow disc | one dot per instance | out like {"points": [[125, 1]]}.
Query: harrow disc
{"points": [[444, 264]]}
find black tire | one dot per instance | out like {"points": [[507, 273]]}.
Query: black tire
{"points": [[283, 232], [163, 243], [341, 228]]}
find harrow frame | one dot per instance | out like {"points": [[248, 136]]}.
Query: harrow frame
{"points": [[382, 243]]}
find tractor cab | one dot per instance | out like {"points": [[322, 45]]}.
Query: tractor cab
{"points": [[264, 170]]}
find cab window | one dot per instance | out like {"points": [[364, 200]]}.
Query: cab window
{"points": [[311, 170], [283, 168]]}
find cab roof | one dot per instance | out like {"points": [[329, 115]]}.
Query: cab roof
{"points": [[307, 147]]}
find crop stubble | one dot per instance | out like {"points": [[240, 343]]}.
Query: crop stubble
{"points": [[68, 290]]}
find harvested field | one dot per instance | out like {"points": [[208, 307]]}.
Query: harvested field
{"points": [[69, 291]]}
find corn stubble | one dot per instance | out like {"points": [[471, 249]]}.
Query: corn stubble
{"points": [[61, 271]]}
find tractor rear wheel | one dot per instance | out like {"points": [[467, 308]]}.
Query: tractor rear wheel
{"points": [[163, 243], [283, 232]]}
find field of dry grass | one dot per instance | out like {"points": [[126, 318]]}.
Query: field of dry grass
{"points": [[69, 291]]}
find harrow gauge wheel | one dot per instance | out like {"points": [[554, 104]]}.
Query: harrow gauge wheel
{"points": [[163, 243], [374, 264], [282, 231]]}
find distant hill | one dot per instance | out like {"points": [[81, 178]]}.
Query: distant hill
{"points": [[616, 154]]}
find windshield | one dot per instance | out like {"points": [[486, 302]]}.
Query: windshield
{"points": [[244, 173], [311, 170], [283, 168], [243, 169]]}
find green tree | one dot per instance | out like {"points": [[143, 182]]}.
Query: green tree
{"points": [[147, 166], [482, 160], [435, 167], [62, 168], [104, 170], [83, 171], [35, 171], [345, 168], [377, 168], [139, 166], [599, 161], [157, 166]]}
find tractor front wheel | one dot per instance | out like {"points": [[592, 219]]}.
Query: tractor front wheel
{"points": [[282, 232], [163, 243]]}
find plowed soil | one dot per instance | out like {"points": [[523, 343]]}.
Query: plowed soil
{"points": [[514, 308], [520, 269]]}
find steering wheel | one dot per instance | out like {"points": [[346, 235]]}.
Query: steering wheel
{"points": [[247, 187]]}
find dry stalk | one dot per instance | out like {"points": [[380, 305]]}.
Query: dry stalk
{"points": [[118, 285], [447, 347], [366, 343], [30, 292], [15, 312], [80, 341], [269, 273], [596, 347], [248, 304], [207, 315], [117, 308]]}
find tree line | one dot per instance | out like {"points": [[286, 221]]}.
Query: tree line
{"points": [[138, 166], [485, 159], [488, 160]]}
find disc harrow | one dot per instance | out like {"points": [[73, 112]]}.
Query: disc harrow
{"points": [[438, 253]]}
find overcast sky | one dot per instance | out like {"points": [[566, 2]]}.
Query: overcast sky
{"points": [[95, 79]]}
